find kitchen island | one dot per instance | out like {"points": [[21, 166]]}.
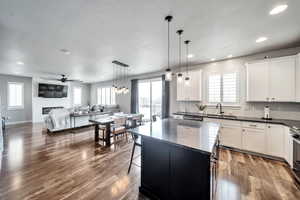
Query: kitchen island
{"points": [[178, 159]]}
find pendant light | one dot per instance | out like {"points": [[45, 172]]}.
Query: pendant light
{"points": [[168, 70], [179, 75], [121, 77], [187, 78]]}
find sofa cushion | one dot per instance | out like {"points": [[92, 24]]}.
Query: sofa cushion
{"points": [[59, 117]]}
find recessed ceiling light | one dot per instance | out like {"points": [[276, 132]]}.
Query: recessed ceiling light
{"points": [[65, 51], [190, 55], [278, 9], [261, 39], [229, 56], [20, 63], [213, 59]]}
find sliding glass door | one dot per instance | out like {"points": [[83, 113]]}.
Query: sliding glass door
{"points": [[150, 97]]}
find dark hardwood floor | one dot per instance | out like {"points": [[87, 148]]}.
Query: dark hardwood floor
{"points": [[36, 165]]}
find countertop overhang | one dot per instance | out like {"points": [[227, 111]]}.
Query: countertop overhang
{"points": [[201, 136]]}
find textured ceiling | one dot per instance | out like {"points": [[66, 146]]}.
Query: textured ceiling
{"points": [[133, 31]]}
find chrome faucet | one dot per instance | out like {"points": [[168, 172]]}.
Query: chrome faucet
{"points": [[219, 105]]}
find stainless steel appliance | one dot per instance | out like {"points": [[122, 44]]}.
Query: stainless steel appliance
{"points": [[296, 154]]}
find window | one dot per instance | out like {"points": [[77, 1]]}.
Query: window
{"points": [[150, 98], [222, 88], [77, 96], [106, 96], [15, 95]]}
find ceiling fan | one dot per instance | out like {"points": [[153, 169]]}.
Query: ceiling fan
{"points": [[63, 79]]}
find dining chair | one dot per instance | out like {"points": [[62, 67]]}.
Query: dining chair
{"points": [[119, 127]]}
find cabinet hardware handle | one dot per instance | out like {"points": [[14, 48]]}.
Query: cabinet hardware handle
{"points": [[253, 125], [267, 98], [273, 98]]}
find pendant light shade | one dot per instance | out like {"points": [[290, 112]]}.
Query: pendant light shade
{"points": [[168, 72], [179, 75], [187, 78]]}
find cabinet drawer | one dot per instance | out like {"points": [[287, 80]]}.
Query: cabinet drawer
{"points": [[230, 123], [254, 125]]}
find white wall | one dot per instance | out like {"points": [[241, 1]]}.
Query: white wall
{"points": [[18, 115], [39, 102], [278, 110]]}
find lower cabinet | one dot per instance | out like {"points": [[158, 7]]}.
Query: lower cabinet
{"points": [[275, 140], [231, 136], [269, 139], [170, 171], [254, 140]]}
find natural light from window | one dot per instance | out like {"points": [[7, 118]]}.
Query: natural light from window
{"points": [[15, 95], [106, 96], [77, 95], [222, 88]]}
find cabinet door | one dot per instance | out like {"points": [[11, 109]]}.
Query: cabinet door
{"points": [[155, 152], [254, 140], [195, 87], [298, 78], [282, 79], [275, 140], [231, 136], [257, 82], [180, 90]]}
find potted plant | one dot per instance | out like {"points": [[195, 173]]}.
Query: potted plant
{"points": [[201, 108]]}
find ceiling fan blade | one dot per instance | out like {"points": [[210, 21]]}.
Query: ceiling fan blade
{"points": [[50, 79], [71, 80]]}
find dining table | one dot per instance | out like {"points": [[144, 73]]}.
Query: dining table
{"points": [[106, 122]]}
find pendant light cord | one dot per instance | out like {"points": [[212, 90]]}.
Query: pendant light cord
{"points": [[168, 44], [187, 56]]}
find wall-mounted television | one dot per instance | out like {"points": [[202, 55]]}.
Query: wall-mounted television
{"points": [[52, 91]]}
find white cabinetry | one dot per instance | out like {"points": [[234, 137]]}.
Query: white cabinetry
{"points": [[288, 147], [257, 81], [275, 140], [270, 139], [298, 78], [253, 139], [230, 132], [282, 79], [231, 136], [191, 91], [272, 80]]}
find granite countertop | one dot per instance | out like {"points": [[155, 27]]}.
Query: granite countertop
{"points": [[197, 135], [293, 124]]}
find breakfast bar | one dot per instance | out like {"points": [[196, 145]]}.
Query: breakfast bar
{"points": [[178, 158]]}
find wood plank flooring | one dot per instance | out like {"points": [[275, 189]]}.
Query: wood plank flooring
{"points": [[65, 166]]}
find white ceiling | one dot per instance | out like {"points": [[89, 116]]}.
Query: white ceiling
{"points": [[134, 31]]}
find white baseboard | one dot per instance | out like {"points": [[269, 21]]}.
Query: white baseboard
{"points": [[17, 122]]}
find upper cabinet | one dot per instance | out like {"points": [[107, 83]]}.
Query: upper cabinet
{"points": [[257, 81], [191, 91], [272, 80], [298, 78]]}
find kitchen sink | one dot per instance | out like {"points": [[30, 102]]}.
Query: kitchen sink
{"points": [[222, 116]]}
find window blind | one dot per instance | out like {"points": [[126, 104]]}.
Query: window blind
{"points": [[15, 95], [77, 96], [214, 88], [106, 96], [222, 88], [229, 88]]}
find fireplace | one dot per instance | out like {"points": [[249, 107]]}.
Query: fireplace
{"points": [[46, 110]]}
